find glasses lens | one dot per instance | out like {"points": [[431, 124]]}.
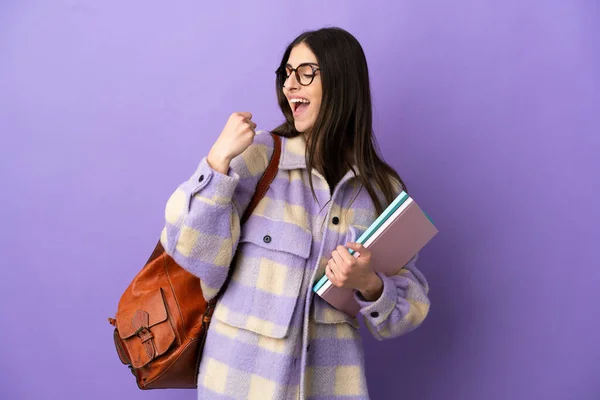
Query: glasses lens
{"points": [[306, 74]]}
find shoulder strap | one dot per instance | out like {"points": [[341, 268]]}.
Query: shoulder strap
{"points": [[261, 190]]}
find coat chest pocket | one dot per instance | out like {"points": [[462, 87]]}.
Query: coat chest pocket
{"points": [[266, 283]]}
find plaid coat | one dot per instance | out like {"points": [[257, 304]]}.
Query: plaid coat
{"points": [[271, 338]]}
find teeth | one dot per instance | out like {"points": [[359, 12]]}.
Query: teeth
{"points": [[299, 101]]}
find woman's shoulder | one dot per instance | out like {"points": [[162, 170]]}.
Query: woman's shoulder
{"points": [[256, 157], [262, 146], [263, 138]]}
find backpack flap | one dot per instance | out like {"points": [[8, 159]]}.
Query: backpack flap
{"points": [[145, 329]]}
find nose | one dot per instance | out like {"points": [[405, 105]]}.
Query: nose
{"points": [[291, 83]]}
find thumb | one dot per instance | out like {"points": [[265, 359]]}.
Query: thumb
{"points": [[356, 247]]}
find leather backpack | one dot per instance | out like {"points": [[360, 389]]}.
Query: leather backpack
{"points": [[162, 317]]}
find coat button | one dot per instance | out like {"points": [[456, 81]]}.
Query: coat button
{"points": [[335, 220], [374, 314], [201, 178], [267, 239]]}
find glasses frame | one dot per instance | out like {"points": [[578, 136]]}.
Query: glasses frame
{"points": [[283, 76]]}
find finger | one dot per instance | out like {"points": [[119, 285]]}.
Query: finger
{"points": [[355, 246], [340, 263], [330, 276], [251, 124], [251, 130], [345, 254], [358, 248], [329, 271], [245, 115], [333, 268], [248, 127]]}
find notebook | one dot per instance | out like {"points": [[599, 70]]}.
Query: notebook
{"points": [[395, 237]]}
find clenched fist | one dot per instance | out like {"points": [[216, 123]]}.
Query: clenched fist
{"points": [[236, 137]]}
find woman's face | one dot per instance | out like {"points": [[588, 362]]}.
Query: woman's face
{"points": [[303, 88]]}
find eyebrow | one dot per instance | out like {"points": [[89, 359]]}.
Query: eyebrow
{"points": [[303, 63]]}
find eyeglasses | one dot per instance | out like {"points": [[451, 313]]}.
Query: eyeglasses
{"points": [[305, 73]]}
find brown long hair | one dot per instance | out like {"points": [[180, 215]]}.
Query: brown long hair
{"points": [[343, 133]]}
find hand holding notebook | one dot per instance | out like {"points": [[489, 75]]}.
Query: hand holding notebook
{"points": [[395, 237], [353, 270]]}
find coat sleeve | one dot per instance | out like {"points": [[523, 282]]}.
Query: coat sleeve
{"points": [[202, 227], [402, 306]]}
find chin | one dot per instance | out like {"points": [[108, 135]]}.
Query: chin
{"points": [[302, 127]]}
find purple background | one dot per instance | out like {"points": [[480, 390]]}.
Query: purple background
{"points": [[489, 110]]}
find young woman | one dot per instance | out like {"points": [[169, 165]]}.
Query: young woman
{"points": [[270, 337]]}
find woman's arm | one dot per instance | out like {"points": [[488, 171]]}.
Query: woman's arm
{"points": [[203, 215], [402, 305]]}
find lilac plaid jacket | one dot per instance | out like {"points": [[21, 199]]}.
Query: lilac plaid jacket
{"points": [[271, 338]]}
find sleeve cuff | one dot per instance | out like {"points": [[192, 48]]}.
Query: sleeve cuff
{"points": [[377, 311], [213, 184]]}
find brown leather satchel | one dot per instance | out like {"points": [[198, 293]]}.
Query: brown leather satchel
{"points": [[162, 318]]}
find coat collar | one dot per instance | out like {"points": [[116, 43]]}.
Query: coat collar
{"points": [[293, 156], [293, 153]]}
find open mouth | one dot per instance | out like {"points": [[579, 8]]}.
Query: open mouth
{"points": [[299, 105]]}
